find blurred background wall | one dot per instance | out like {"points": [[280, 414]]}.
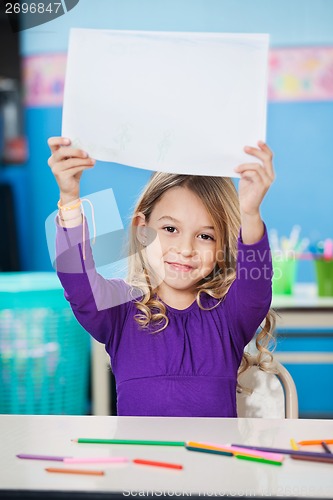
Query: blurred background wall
{"points": [[300, 132]]}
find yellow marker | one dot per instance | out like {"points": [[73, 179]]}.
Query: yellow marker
{"points": [[293, 444]]}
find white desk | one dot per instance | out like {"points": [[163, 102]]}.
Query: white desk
{"points": [[305, 296], [203, 475]]}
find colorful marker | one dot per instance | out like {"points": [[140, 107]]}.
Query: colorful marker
{"points": [[41, 457], [95, 460], [157, 464], [84, 472], [129, 441]]}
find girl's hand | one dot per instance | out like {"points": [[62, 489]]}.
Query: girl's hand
{"points": [[67, 165], [255, 180]]}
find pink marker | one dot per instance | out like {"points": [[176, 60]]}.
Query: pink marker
{"points": [[95, 460], [262, 454]]}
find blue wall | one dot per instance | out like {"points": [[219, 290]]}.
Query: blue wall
{"points": [[300, 134]]}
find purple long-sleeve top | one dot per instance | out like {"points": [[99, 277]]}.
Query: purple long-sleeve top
{"points": [[190, 367]]}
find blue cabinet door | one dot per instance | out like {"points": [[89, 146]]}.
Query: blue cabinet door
{"points": [[308, 356]]}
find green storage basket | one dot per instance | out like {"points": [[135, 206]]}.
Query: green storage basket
{"points": [[44, 352]]}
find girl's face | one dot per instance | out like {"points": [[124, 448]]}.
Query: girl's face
{"points": [[184, 249]]}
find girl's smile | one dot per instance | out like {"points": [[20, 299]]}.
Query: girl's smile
{"points": [[180, 267]]}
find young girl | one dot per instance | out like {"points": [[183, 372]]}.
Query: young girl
{"points": [[200, 260]]}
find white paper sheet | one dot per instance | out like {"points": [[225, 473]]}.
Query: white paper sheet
{"points": [[173, 102]]}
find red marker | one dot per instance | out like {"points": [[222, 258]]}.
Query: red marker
{"points": [[157, 464]]}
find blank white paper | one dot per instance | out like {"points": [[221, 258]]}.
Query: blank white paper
{"points": [[163, 101]]}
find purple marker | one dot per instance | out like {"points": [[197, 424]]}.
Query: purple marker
{"points": [[41, 457], [300, 453]]}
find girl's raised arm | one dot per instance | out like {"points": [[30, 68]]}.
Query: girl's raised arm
{"points": [[256, 179], [67, 165]]}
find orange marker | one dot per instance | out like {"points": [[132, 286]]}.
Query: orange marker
{"points": [[77, 471], [317, 441], [158, 464]]}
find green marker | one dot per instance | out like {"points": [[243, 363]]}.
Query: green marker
{"points": [[129, 441], [259, 459]]}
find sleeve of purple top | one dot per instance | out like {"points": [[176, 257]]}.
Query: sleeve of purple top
{"points": [[249, 297], [98, 303]]}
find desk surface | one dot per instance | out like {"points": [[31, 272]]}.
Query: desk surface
{"points": [[305, 296], [203, 474]]}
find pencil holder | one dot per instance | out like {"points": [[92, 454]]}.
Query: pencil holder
{"points": [[44, 362], [285, 270], [324, 272]]}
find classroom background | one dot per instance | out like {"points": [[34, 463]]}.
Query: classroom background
{"points": [[299, 126]]}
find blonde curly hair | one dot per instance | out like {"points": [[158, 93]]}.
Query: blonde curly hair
{"points": [[219, 196]]}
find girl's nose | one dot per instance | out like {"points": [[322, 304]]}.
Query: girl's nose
{"points": [[187, 252], [186, 247]]}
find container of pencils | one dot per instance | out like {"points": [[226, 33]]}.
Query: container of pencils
{"points": [[44, 352], [324, 272], [285, 269]]}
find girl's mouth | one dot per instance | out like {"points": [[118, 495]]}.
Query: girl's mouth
{"points": [[180, 267]]}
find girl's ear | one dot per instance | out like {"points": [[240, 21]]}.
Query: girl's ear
{"points": [[139, 221]]}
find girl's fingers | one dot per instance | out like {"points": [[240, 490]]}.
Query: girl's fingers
{"points": [[266, 174], [64, 153], [67, 158], [264, 154], [252, 175], [76, 162], [256, 173], [258, 153], [55, 143], [262, 145], [70, 163], [246, 168], [76, 170]]}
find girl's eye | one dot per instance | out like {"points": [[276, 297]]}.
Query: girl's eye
{"points": [[170, 229], [206, 237]]}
